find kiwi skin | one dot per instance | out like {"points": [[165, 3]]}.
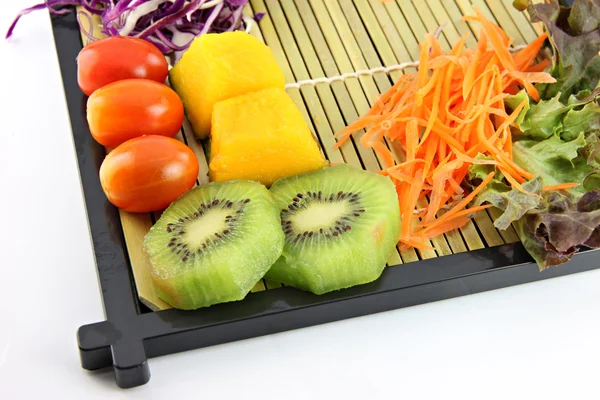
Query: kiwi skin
{"points": [[351, 252], [249, 241]]}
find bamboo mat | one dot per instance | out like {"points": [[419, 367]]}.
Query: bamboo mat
{"points": [[325, 38]]}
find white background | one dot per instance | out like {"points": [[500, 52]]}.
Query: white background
{"points": [[536, 341]]}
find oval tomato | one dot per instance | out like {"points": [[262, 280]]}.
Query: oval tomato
{"points": [[133, 107], [148, 173], [119, 57]]}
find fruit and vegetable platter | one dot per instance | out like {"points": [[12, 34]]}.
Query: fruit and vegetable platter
{"points": [[256, 166]]}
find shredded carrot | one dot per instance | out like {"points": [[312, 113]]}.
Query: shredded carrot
{"points": [[448, 224], [561, 186], [456, 186], [539, 67], [383, 152], [464, 202], [439, 118], [416, 242], [525, 57]]}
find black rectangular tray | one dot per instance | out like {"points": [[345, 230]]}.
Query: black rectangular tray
{"points": [[132, 333]]}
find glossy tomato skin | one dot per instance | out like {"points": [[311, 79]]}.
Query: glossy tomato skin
{"points": [[130, 108], [148, 173], [119, 57]]}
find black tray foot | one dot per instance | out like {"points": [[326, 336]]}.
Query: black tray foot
{"points": [[101, 346], [133, 376]]}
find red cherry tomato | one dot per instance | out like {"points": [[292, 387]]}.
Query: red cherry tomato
{"points": [[119, 57], [133, 107], [148, 173]]}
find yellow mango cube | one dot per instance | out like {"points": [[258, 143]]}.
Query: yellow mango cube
{"points": [[218, 66], [261, 136]]}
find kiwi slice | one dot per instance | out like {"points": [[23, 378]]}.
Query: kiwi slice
{"points": [[341, 225], [214, 243]]}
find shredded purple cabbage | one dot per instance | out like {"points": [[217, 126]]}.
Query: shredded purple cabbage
{"points": [[171, 25]]}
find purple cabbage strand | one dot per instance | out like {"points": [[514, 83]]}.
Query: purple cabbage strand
{"points": [[171, 25]]}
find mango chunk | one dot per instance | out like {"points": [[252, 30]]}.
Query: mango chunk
{"points": [[218, 66], [261, 136]]}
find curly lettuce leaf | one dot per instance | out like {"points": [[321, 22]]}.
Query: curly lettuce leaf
{"points": [[574, 33], [552, 225], [557, 161], [478, 172], [559, 142], [577, 122], [551, 117], [513, 101], [539, 120], [514, 203], [552, 161], [560, 226]]}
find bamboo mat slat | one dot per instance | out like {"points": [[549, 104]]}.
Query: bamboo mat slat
{"points": [[368, 32], [342, 91], [521, 22], [430, 23], [466, 8], [414, 22], [488, 231], [454, 16], [324, 38], [408, 36], [508, 235], [392, 36], [500, 14], [361, 58]]}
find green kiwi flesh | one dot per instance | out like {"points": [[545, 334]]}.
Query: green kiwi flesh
{"points": [[214, 243], [341, 225]]}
